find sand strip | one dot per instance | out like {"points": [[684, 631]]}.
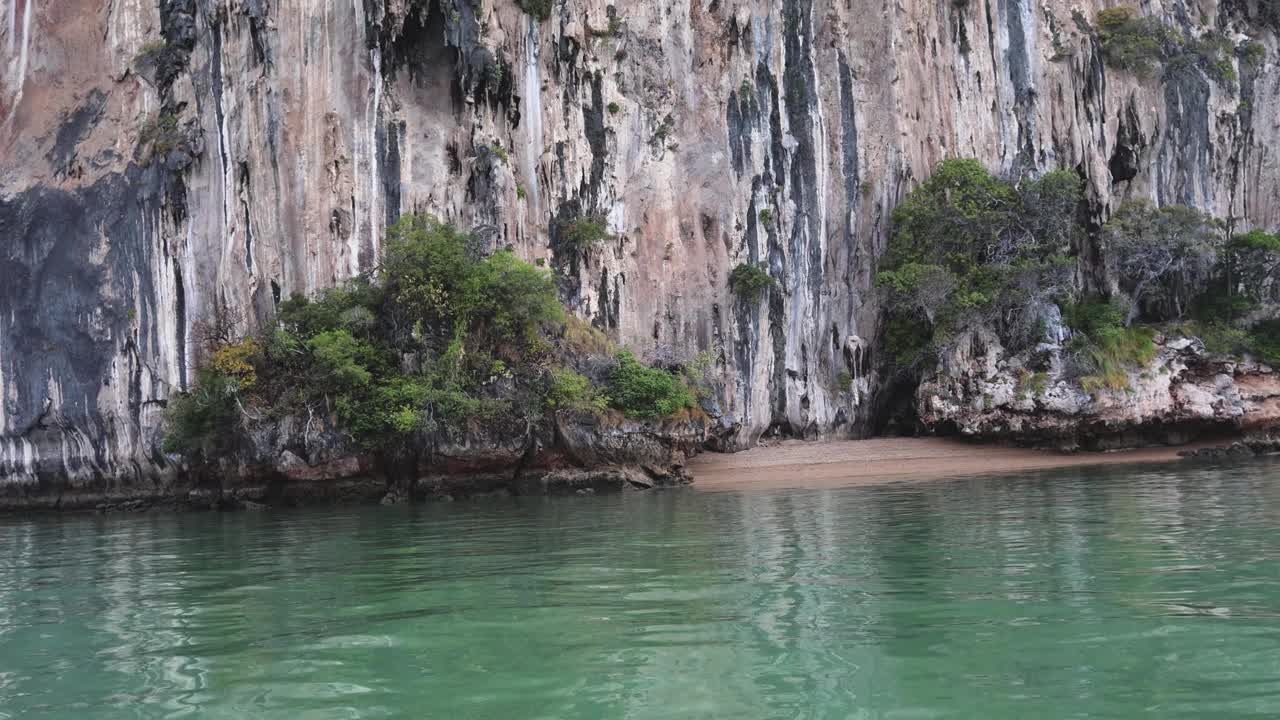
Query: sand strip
{"points": [[795, 463]]}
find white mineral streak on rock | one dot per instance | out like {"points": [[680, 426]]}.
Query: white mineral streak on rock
{"points": [[19, 43], [531, 96]]}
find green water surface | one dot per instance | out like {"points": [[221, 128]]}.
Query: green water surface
{"points": [[1117, 593]]}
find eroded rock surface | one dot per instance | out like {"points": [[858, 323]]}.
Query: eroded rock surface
{"points": [[1184, 393]]}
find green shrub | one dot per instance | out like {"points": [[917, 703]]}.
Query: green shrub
{"points": [[204, 418], [569, 390], [149, 51], [1252, 53], [906, 339], [585, 232], [540, 9], [1113, 352], [1093, 315], [161, 135], [645, 392], [1264, 341], [844, 381], [766, 217], [749, 281], [1131, 43], [613, 108], [1033, 382], [343, 360], [440, 337], [1257, 240], [1222, 338], [1165, 256], [969, 248], [425, 269], [510, 301]]}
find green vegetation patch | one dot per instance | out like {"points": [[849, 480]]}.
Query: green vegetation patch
{"points": [[540, 9], [1115, 351], [970, 249], [585, 232], [161, 135], [749, 281], [646, 392], [441, 336]]}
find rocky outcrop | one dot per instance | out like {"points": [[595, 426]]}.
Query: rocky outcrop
{"points": [[1184, 394], [161, 157], [302, 461]]}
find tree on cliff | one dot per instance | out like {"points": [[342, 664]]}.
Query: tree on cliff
{"points": [[1165, 256], [969, 248], [439, 337]]}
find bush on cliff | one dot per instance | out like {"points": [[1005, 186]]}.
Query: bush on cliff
{"points": [[750, 281], [440, 336], [1133, 43], [646, 392], [969, 248], [1166, 256]]}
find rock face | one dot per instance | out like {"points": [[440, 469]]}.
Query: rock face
{"points": [[161, 157], [1184, 393], [300, 461]]}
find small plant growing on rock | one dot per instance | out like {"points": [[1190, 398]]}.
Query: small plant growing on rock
{"points": [[1130, 42], [749, 282], [664, 131], [149, 51], [585, 232], [844, 381], [499, 151], [766, 217], [1252, 53], [613, 108], [1112, 352], [569, 390], [540, 9], [613, 29], [645, 392], [161, 135]]}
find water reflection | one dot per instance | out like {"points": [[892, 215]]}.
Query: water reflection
{"points": [[1101, 593]]}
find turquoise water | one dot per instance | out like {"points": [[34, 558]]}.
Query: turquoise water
{"points": [[1116, 593]]}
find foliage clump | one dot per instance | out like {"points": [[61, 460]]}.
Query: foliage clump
{"points": [[646, 392], [1264, 341], [570, 390], [1142, 45], [439, 337], [161, 135], [749, 281], [585, 232], [150, 52], [540, 9], [1166, 255], [968, 248], [1112, 351], [1130, 42]]}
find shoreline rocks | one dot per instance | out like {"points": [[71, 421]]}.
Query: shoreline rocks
{"points": [[1184, 394]]}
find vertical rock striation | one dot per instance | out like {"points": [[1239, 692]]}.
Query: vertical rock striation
{"points": [[161, 158]]}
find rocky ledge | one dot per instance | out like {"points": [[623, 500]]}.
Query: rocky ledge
{"points": [[1183, 394], [293, 462]]}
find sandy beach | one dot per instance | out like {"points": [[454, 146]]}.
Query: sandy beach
{"points": [[795, 463]]}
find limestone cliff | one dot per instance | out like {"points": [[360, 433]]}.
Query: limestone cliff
{"points": [[159, 157]]}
